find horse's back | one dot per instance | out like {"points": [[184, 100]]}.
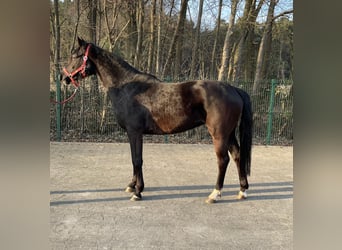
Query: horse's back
{"points": [[216, 93]]}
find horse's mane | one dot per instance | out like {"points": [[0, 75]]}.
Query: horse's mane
{"points": [[118, 61]]}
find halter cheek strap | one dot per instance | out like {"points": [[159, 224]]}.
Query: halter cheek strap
{"points": [[80, 69]]}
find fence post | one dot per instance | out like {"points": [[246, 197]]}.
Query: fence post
{"points": [[270, 112], [58, 106]]}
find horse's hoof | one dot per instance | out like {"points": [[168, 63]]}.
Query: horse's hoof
{"points": [[214, 196], [210, 201], [130, 190], [135, 198], [242, 195]]}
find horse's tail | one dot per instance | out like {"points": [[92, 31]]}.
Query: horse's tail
{"points": [[246, 131]]}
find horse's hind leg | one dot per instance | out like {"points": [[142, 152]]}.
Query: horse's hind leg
{"points": [[221, 150], [234, 150]]}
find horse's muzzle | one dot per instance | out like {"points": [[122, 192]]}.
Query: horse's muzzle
{"points": [[66, 80]]}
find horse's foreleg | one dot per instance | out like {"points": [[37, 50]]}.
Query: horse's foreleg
{"points": [[137, 184], [131, 186]]}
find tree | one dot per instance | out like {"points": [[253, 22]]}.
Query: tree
{"points": [[264, 52], [158, 59], [57, 34], [176, 41], [77, 8], [132, 38], [223, 72], [92, 20], [264, 48], [140, 19], [150, 60], [244, 51], [196, 43], [180, 40], [217, 33]]}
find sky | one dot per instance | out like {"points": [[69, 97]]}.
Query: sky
{"points": [[210, 11]]}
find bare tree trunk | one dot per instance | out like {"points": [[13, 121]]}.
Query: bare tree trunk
{"points": [[77, 7], [140, 33], [176, 41], [92, 20], [231, 63], [109, 30], [150, 60], [264, 48], [179, 44], [58, 37], [132, 30], [217, 33], [223, 72], [158, 59], [248, 23], [195, 51], [52, 43], [100, 22]]}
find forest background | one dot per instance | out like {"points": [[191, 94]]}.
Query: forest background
{"points": [[244, 42]]}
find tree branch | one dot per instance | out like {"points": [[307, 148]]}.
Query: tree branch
{"points": [[282, 14]]}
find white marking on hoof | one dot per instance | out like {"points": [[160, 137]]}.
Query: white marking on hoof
{"points": [[242, 195], [135, 198], [214, 196], [129, 190], [210, 201]]}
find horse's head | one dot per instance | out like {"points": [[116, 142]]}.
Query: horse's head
{"points": [[79, 66]]}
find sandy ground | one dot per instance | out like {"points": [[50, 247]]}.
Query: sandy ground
{"points": [[90, 210]]}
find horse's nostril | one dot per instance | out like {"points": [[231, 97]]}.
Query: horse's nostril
{"points": [[66, 80]]}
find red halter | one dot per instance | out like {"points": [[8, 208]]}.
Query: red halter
{"points": [[72, 74], [79, 69]]}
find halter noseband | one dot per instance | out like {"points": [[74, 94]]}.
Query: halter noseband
{"points": [[81, 69]]}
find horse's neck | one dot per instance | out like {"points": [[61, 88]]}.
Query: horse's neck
{"points": [[113, 74]]}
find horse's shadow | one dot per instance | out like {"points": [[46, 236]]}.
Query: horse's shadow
{"points": [[258, 191]]}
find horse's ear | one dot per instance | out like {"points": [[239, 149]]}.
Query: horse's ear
{"points": [[81, 42]]}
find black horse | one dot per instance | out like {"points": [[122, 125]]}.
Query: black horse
{"points": [[144, 105]]}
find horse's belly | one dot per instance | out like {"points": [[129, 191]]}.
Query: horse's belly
{"points": [[176, 121]]}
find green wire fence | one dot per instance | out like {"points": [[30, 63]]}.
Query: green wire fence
{"points": [[89, 117]]}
